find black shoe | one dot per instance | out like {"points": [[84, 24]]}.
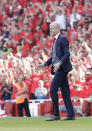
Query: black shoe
{"points": [[69, 118], [53, 118]]}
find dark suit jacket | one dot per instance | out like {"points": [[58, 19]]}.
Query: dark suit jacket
{"points": [[62, 52]]}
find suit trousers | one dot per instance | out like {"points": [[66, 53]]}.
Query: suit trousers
{"points": [[24, 105], [60, 80]]}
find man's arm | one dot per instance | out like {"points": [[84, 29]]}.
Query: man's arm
{"points": [[3, 91], [10, 90], [47, 63], [25, 90]]}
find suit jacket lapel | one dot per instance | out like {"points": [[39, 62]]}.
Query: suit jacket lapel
{"points": [[57, 41]]}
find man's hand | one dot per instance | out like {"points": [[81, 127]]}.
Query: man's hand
{"points": [[5, 89], [25, 89], [39, 67], [57, 66]]}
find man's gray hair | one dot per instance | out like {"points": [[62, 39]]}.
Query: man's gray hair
{"points": [[55, 24]]}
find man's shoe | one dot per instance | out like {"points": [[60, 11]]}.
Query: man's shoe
{"points": [[53, 118], [69, 118]]}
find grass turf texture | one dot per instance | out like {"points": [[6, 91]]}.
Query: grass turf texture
{"points": [[39, 124]]}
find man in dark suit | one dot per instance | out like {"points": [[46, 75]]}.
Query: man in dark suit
{"points": [[60, 67]]}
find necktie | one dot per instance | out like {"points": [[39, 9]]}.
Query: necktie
{"points": [[54, 40]]}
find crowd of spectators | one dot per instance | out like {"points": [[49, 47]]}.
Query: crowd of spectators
{"points": [[25, 42]]}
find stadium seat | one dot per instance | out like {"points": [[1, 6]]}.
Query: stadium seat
{"points": [[9, 109]]}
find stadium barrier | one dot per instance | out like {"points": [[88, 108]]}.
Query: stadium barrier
{"points": [[43, 107]]}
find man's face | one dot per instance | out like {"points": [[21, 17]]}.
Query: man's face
{"points": [[53, 31]]}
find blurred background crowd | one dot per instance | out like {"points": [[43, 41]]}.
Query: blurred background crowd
{"points": [[25, 42]]}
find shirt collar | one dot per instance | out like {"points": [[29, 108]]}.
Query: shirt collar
{"points": [[56, 36]]}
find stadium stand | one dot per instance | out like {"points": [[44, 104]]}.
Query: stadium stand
{"points": [[25, 42]]}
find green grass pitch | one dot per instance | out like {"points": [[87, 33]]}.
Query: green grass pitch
{"points": [[39, 124]]}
